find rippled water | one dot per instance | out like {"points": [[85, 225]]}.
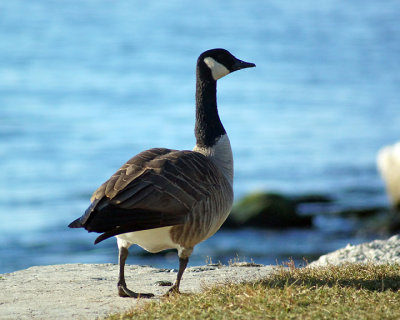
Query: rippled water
{"points": [[84, 85]]}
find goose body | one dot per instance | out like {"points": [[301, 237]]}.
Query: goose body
{"points": [[171, 199]]}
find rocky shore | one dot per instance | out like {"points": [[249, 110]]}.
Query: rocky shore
{"points": [[378, 251], [88, 291]]}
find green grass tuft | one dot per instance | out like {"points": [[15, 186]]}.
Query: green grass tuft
{"points": [[352, 291]]}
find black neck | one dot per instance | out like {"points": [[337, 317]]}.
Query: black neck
{"points": [[208, 126]]}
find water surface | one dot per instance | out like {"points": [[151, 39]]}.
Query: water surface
{"points": [[84, 85]]}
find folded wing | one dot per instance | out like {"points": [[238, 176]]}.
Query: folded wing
{"points": [[156, 188]]}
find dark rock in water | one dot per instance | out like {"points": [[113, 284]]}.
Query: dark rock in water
{"points": [[394, 223], [266, 210], [276, 211], [312, 198], [383, 223], [361, 212]]}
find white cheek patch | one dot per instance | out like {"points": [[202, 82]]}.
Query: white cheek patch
{"points": [[217, 70]]}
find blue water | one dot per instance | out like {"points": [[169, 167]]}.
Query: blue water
{"points": [[86, 84]]}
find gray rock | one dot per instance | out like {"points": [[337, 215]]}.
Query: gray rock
{"points": [[377, 251], [89, 291]]}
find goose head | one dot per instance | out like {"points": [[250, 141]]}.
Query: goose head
{"points": [[217, 63]]}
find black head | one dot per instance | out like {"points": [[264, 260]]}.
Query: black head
{"points": [[221, 62]]}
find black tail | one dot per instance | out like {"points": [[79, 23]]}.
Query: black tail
{"points": [[76, 224], [111, 220]]}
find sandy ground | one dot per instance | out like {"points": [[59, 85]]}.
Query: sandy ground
{"points": [[88, 291]]}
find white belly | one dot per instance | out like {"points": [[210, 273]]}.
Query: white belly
{"points": [[153, 240]]}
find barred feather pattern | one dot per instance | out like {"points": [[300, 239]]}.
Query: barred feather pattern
{"points": [[162, 187], [205, 218]]}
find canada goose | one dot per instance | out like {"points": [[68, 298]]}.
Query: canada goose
{"points": [[162, 198], [388, 162]]}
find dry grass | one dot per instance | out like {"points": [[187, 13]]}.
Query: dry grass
{"points": [[347, 292]]}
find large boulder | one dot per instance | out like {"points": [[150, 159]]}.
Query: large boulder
{"points": [[266, 210]]}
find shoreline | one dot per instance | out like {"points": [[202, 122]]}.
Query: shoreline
{"points": [[89, 291]]}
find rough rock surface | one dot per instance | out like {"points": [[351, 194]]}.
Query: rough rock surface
{"points": [[378, 251], [88, 291]]}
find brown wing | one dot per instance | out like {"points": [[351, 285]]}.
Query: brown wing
{"points": [[156, 188]]}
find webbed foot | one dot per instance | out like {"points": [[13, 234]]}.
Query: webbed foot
{"points": [[123, 291], [173, 290]]}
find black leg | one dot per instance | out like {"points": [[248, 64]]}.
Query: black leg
{"points": [[182, 266], [123, 291]]}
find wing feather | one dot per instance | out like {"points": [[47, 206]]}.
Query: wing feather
{"points": [[156, 188]]}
